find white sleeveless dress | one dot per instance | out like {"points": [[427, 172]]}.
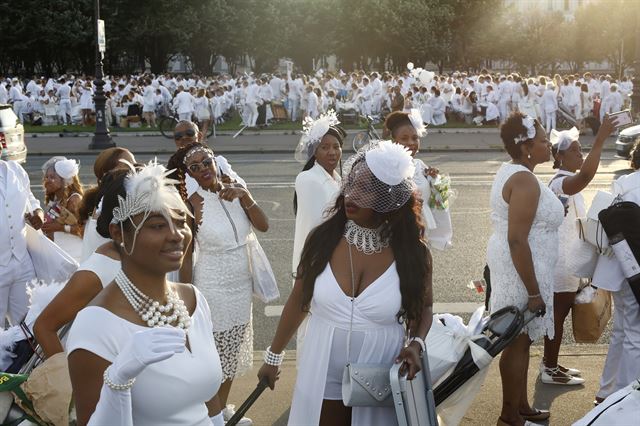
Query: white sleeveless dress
{"points": [[506, 286], [222, 273], [167, 393], [377, 338]]}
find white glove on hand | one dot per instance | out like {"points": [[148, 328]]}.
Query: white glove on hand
{"points": [[146, 347]]}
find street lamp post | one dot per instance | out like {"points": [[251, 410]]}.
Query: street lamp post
{"points": [[101, 138]]}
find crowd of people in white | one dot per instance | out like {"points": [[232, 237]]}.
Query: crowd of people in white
{"points": [[480, 98]]}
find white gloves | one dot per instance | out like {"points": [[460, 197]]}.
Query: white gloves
{"points": [[145, 347]]}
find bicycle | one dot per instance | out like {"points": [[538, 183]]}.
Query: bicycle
{"points": [[168, 123], [363, 138]]}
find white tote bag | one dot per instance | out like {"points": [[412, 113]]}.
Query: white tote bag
{"points": [[265, 286], [589, 227], [50, 262]]}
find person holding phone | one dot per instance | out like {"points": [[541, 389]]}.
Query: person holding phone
{"points": [[573, 175]]}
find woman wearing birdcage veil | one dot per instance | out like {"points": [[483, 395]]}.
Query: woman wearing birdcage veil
{"points": [[362, 272]]}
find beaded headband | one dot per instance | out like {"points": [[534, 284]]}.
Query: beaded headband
{"points": [[193, 151]]}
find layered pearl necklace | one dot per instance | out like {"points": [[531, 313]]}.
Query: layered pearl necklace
{"points": [[365, 240], [174, 313]]}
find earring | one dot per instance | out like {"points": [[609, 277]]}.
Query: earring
{"points": [[122, 244], [529, 156]]}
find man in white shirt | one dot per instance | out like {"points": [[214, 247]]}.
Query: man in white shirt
{"points": [[183, 104], [64, 96], [252, 100], [18, 207]]}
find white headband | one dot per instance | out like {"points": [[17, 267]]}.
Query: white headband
{"points": [[563, 140], [530, 124]]}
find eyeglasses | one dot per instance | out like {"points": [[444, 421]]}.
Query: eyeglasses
{"points": [[189, 133], [203, 165]]}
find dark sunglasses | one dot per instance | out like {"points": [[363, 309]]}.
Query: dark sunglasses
{"points": [[189, 133], [203, 165]]}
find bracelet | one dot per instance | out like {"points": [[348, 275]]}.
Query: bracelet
{"points": [[533, 296], [116, 386], [251, 206], [273, 359], [67, 229], [420, 340]]}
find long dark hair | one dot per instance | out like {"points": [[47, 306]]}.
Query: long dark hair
{"points": [[405, 230], [339, 133], [176, 163]]}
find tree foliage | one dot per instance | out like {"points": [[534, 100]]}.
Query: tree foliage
{"points": [[47, 36]]}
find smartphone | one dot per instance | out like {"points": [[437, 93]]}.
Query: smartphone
{"points": [[621, 118]]}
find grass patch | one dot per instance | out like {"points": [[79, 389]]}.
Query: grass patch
{"points": [[232, 125]]}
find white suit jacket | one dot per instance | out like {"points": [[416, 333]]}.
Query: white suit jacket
{"points": [[16, 200], [608, 274], [316, 191]]}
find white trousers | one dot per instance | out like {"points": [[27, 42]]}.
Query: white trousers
{"points": [[551, 122], [623, 359], [294, 106], [251, 114], [64, 110], [184, 116], [13, 290]]}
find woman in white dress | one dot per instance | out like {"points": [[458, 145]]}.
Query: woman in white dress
{"points": [[365, 268], [63, 197], [572, 177], [154, 335], [86, 103], [317, 185], [406, 130], [107, 161], [202, 110], [527, 102], [521, 255], [224, 218]]}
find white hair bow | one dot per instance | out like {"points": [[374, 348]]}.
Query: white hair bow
{"points": [[563, 140], [66, 168], [530, 124]]}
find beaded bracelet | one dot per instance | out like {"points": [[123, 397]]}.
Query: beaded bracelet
{"points": [[273, 359], [116, 386], [251, 206], [533, 296], [67, 229]]}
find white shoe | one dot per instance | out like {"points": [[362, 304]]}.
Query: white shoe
{"points": [[229, 411], [555, 376], [567, 370]]}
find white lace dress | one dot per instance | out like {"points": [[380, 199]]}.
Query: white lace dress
{"points": [[222, 273], [506, 286]]}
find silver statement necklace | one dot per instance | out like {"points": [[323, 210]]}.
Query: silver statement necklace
{"points": [[365, 240], [174, 313]]}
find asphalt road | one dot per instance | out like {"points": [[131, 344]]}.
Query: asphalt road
{"points": [[270, 178]]}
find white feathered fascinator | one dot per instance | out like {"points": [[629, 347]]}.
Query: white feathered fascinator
{"points": [[416, 121], [64, 167], [312, 133], [379, 177], [563, 140], [149, 190]]}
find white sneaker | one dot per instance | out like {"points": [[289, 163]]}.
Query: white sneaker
{"points": [[555, 376], [230, 410]]}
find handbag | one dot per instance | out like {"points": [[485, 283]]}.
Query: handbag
{"points": [[50, 262], [584, 256], [589, 227], [590, 319], [364, 385], [265, 286]]}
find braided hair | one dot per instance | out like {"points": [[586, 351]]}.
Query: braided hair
{"points": [[176, 163]]}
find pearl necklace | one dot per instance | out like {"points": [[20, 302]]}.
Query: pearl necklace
{"points": [[365, 240], [151, 311]]}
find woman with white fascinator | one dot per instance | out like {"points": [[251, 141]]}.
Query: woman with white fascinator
{"points": [[318, 184], [573, 175], [406, 129], [63, 195], [154, 360], [362, 272]]}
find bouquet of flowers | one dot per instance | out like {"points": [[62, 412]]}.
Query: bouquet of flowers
{"points": [[442, 195]]}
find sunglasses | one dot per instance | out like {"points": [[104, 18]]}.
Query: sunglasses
{"points": [[189, 133], [203, 165]]}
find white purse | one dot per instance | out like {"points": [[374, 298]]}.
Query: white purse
{"points": [[589, 227], [364, 385]]}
